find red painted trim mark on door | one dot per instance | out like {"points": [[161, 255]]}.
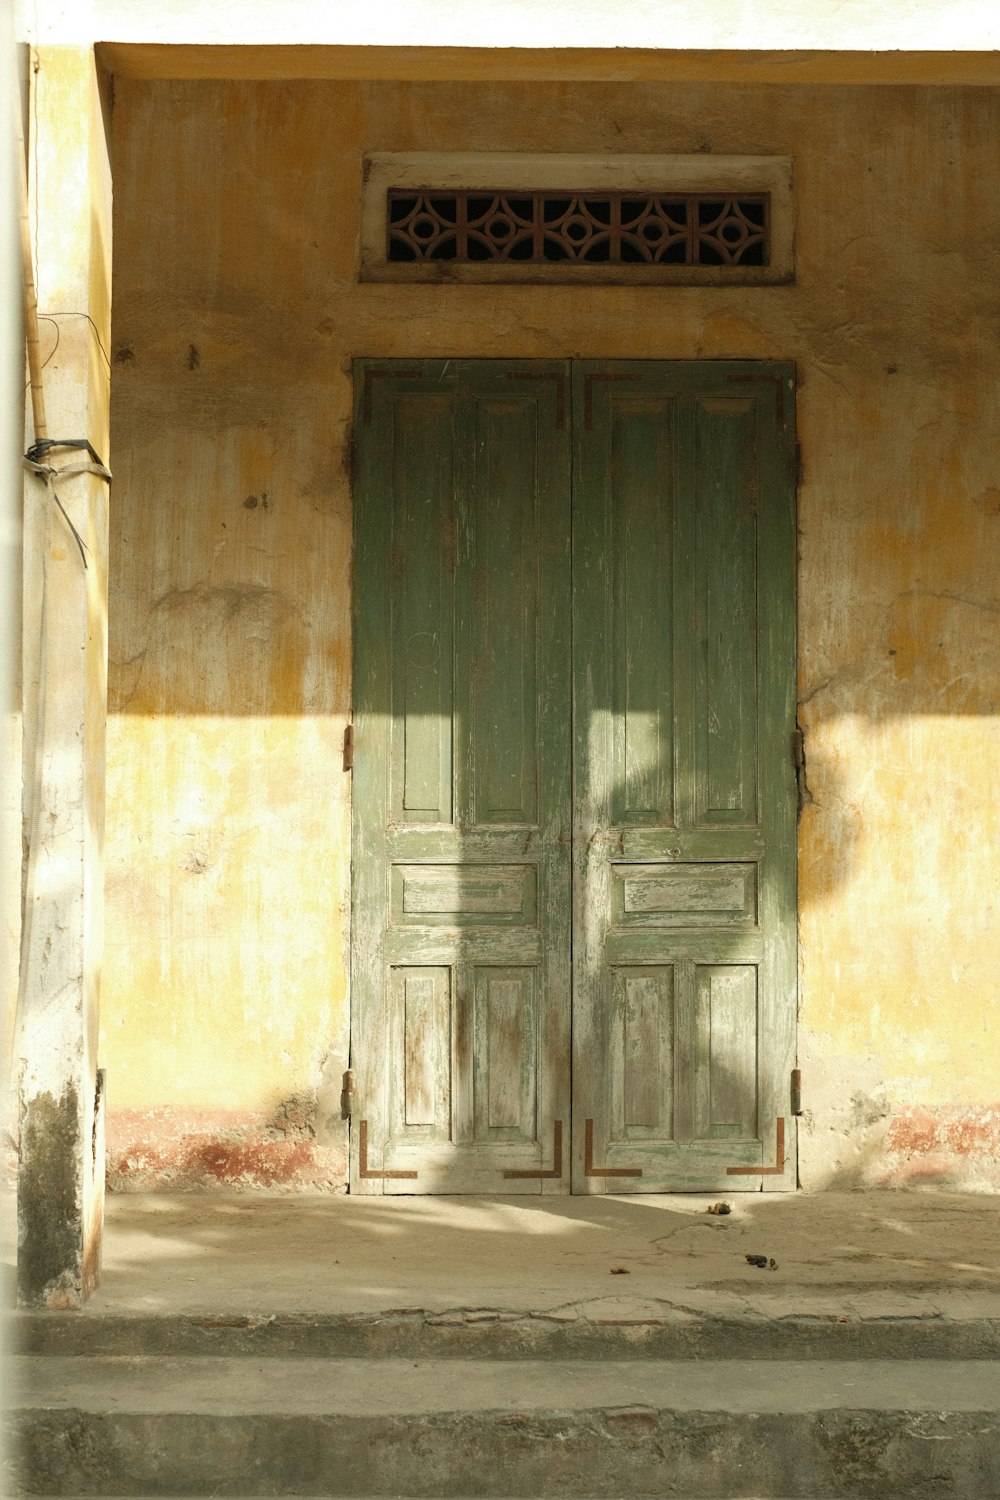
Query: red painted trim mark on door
{"points": [[589, 1170], [776, 1171], [363, 1168], [372, 374], [557, 1167], [779, 385], [588, 392]]}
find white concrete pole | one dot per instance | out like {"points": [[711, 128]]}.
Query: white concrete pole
{"points": [[11, 417], [61, 1168]]}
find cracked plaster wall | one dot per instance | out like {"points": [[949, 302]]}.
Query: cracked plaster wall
{"points": [[237, 311]]}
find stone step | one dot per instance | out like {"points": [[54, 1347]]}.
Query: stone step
{"points": [[608, 1329], [196, 1426]]}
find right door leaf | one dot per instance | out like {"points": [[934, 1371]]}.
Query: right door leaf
{"points": [[684, 790]]}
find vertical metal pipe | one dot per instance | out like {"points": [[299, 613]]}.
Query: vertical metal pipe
{"points": [[28, 282], [11, 504]]}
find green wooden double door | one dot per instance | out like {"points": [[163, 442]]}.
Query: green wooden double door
{"points": [[573, 920]]}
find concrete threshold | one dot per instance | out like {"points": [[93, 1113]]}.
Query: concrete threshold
{"points": [[852, 1275], [893, 1254]]}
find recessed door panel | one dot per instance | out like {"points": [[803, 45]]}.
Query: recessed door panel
{"points": [[724, 523]]}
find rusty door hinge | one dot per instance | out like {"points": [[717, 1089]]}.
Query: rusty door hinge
{"points": [[798, 749], [796, 1091], [802, 792], [349, 748], [347, 1095]]}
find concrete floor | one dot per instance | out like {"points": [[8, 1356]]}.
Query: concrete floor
{"points": [[874, 1254], [573, 1317]]}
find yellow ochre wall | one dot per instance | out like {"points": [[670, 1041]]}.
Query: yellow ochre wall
{"points": [[237, 311]]}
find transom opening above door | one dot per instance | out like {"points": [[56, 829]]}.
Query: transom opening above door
{"points": [[563, 225], [491, 217]]}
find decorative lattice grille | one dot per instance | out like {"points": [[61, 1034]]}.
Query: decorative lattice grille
{"points": [[686, 229]]}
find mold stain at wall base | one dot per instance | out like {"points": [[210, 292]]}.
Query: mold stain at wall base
{"points": [[49, 1208]]}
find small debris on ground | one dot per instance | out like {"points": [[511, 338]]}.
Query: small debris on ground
{"points": [[772, 1264], [718, 1208], [757, 1260], [620, 1271]]}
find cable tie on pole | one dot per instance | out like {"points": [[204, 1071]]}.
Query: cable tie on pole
{"points": [[43, 446], [48, 472]]}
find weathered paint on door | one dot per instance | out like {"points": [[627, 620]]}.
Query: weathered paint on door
{"points": [[684, 820], [670, 715], [461, 855]]}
